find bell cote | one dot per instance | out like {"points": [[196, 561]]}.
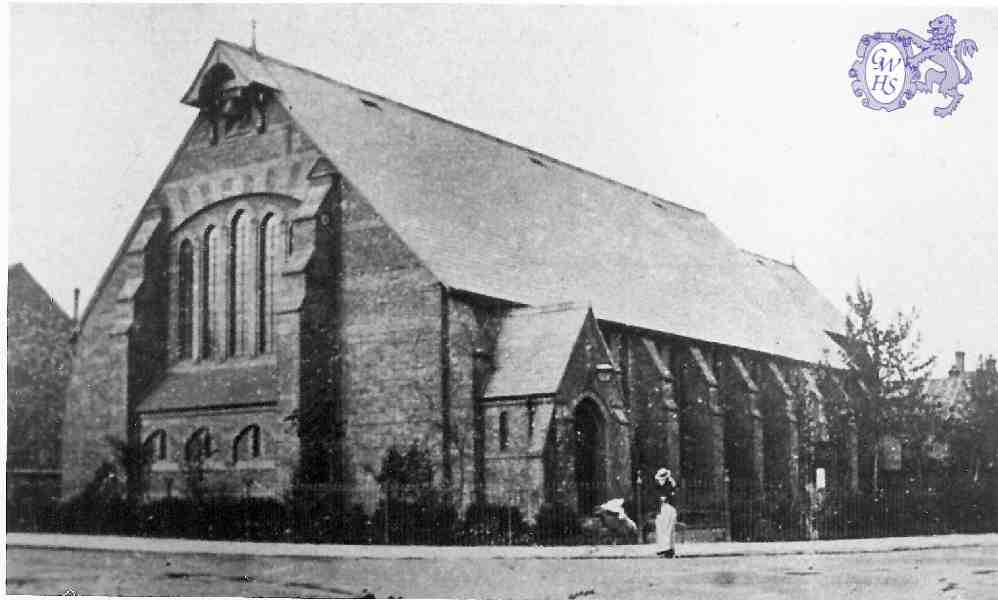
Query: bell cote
{"points": [[232, 87]]}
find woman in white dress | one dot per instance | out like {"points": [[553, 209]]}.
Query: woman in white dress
{"points": [[665, 522]]}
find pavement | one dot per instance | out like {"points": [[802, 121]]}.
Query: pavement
{"points": [[712, 549]]}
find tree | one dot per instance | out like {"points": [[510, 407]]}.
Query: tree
{"points": [[134, 459], [885, 357], [973, 427]]}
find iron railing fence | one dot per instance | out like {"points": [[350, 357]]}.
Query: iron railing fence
{"points": [[777, 513], [417, 514]]}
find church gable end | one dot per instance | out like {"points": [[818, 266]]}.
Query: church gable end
{"points": [[253, 252]]}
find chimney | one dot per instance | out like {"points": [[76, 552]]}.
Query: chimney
{"points": [[960, 365], [76, 304]]}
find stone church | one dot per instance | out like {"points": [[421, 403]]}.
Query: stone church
{"points": [[321, 273]]}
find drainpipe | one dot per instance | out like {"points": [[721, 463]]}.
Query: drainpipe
{"points": [[445, 375]]}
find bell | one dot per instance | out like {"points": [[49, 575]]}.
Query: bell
{"points": [[232, 102]]}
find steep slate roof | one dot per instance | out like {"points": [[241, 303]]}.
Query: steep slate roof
{"points": [[214, 388], [496, 219], [533, 349]]}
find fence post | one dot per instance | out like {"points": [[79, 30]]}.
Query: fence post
{"points": [[387, 502], [640, 517], [727, 505], [509, 524]]}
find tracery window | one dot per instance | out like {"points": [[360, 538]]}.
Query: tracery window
{"points": [[240, 285], [267, 282], [211, 293], [185, 297], [228, 274]]}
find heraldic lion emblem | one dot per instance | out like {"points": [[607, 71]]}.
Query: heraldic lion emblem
{"points": [[937, 49]]}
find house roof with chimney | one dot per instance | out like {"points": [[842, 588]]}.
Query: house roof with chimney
{"points": [[496, 219], [954, 391]]}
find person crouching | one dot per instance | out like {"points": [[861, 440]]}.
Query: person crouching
{"points": [[616, 521]]}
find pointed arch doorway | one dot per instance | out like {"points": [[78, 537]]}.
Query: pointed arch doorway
{"points": [[589, 430]]}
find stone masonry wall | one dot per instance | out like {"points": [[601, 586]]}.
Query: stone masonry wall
{"points": [[202, 174], [391, 339], [222, 473]]}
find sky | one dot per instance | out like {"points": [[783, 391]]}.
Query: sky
{"points": [[743, 112]]}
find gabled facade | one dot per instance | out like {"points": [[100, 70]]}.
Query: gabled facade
{"points": [[321, 273], [38, 363]]}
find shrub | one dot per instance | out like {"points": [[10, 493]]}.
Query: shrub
{"points": [[557, 523], [492, 524], [89, 514], [427, 519], [319, 515]]}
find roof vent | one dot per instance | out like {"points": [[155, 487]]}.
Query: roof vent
{"points": [[370, 103], [537, 162]]}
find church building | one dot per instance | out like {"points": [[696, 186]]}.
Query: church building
{"points": [[322, 273]]}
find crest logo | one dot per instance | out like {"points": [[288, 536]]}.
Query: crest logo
{"points": [[886, 73]]}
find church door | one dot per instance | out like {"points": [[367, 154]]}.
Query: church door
{"points": [[588, 456]]}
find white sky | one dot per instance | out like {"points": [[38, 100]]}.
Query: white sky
{"points": [[745, 113]]}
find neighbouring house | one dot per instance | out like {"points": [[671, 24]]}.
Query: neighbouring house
{"points": [[322, 273], [954, 400], [38, 363]]}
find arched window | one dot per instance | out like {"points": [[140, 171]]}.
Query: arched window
{"points": [[247, 444], [267, 281], [185, 296], [503, 430], [240, 285], [155, 445], [211, 300], [198, 447]]}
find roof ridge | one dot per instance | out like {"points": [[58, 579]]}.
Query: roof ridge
{"points": [[770, 258], [260, 55], [540, 309]]}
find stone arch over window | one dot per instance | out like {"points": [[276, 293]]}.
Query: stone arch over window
{"points": [[199, 446], [155, 445], [246, 446], [185, 298], [211, 292], [269, 257], [503, 430], [240, 284]]}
